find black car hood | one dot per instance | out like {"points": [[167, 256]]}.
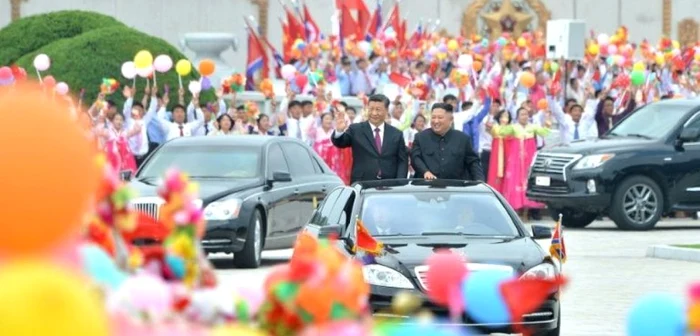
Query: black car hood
{"points": [[608, 145], [208, 189], [408, 252]]}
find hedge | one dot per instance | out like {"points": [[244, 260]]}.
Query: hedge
{"points": [[31, 33], [83, 61]]}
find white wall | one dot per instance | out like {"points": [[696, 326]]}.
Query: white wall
{"points": [[170, 19]]}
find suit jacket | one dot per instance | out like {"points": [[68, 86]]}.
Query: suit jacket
{"points": [[447, 157], [367, 162]]}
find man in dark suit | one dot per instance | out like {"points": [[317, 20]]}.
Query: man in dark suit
{"points": [[378, 149], [443, 152]]}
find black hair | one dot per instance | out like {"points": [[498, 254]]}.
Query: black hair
{"points": [[345, 60], [609, 98], [570, 100], [326, 114], [467, 105], [419, 115], [345, 105], [419, 64], [120, 115], [517, 112], [576, 105], [572, 80], [137, 104], [448, 97], [445, 106], [497, 101], [306, 103], [111, 103], [293, 103], [240, 107], [380, 98], [225, 115], [260, 118], [350, 108], [500, 114], [204, 105], [179, 106]]}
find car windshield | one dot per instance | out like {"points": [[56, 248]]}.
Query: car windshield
{"points": [[652, 121], [204, 162], [434, 213]]}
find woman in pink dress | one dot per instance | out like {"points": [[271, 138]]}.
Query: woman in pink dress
{"points": [[497, 160], [520, 148], [116, 144], [321, 137]]}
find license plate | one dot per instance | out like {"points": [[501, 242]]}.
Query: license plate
{"points": [[544, 181]]}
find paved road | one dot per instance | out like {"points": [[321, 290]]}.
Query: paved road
{"points": [[607, 267]]}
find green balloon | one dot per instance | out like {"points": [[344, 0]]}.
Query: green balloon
{"points": [[637, 78]]}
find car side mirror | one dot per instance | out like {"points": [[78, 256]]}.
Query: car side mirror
{"points": [[280, 176], [329, 231], [541, 232], [125, 175], [690, 134]]}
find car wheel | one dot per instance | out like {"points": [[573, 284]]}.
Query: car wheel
{"points": [[573, 219], [251, 254], [637, 204]]}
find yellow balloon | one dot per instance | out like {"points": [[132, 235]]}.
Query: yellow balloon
{"points": [[143, 59], [697, 57], [639, 66], [660, 59], [39, 298], [183, 67], [522, 42], [237, 330], [452, 45], [675, 44], [593, 49]]}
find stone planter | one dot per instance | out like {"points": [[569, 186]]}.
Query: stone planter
{"points": [[210, 46]]}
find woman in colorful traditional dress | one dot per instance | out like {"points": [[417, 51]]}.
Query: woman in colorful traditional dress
{"points": [[497, 159], [116, 144], [520, 148], [321, 137]]}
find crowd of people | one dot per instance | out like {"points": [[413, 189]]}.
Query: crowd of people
{"points": [[487, 114]]}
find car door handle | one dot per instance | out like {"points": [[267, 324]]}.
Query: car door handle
{"points": [[296, 192], [324, 189]]}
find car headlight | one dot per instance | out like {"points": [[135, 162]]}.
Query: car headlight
{"points": [[541, 271], [223, 210], [593, 161], [379, 275]]}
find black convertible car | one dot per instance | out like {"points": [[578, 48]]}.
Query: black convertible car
{"points": [[414, 218], [257, 191]]}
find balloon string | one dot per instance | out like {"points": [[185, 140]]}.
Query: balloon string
{"points": [[179, 79], [38, 74], [155, 83], [133, 83]]}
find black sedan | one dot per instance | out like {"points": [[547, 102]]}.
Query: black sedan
{"points": [[415, 218], [257, 191]]}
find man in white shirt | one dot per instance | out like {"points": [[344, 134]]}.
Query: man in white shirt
{"points": [[209, 115], [179, 127], [576, 125], [134, 114]]}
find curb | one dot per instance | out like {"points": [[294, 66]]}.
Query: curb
{"points": [[673, 253]]}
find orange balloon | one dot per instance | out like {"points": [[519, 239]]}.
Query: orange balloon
{"points": [[477, 65], [48, 181], [542, 104], [527, 79], [206, 67]]}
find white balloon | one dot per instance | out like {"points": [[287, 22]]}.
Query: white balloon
{"points": [[365, 46], [195, 87], [145, 72], [129, 70], [288, 71], [465, 61], [42, 62]]}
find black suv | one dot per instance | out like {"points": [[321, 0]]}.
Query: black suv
{"points": [[646, 166]]}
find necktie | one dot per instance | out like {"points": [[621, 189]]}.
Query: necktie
{"points": [[206, 129], [369, 82], [182, 133], [377, 140], [299, 129], [576, 135], [610, 124]]}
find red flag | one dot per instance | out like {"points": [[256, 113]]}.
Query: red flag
{"points": [[394, 20], [365, 241], [295, 28], [363, 18], [312, 31], [374, 22], [400, 79], [287, 42], [402, 33], [351, 4], [524, 296], [348, 26]]}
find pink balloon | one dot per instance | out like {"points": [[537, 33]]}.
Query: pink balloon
{"points": [[301, 81], [612, 49], [446, 271], [163, 63], [5, 73], [62, 88], [49, 81], [288, 71]]}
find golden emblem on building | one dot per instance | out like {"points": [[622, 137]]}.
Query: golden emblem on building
{"points": [[492, 18], [688, 31]]}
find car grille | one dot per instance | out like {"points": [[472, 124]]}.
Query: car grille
{"points": [[148, 205], [556, 187], [552, 164], [422, 271]]}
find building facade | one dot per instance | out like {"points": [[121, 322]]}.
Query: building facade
{"points": [[171, 19]]}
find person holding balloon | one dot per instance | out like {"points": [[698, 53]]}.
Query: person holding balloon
{"points": [[134, 115], [210, 114], [116, 137]]}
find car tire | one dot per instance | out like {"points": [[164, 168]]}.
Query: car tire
{"points": [[636, 194], [573, 219], [251, 255]]}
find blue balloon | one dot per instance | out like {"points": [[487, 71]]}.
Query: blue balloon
{"points": [[657, 315], [418, 328], [483, 298], [101, 267], [176, 265]]}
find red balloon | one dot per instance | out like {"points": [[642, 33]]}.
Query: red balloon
{"points": [[446, 272], [301, 80], [5, 73], [49, 81]]}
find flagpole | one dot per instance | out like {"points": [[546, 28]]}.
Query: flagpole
{"points": [[561, 241]]}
